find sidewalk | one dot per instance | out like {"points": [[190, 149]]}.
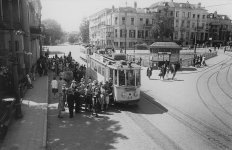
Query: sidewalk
{"points": [[30, 132]]}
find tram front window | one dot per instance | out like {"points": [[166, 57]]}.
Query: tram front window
{"points": [[130, 77], [121, 77], [138, 78]]}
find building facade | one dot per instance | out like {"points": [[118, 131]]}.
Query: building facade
{"points": [[120, 28], [189, 21], [218, 28], [184, 23], [25, 26]]}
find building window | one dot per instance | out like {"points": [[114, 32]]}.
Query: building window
{"points": [[146, 33], [182, 23], [198, 16], [116, 44], [123, 20], [183, 14], [193, 25], [147, 21], [188, 24], [132, 21], [171, 13], [177, 14], [187, 35], [193, 15], [203, 17], [177, 23], [189, 14], [121, 44], [122, 33], [140, 33], [116, 33], [116, 20], [153, 21], [141, 19], [132, 33], [131, 44], [182, 35], [203, 25]]}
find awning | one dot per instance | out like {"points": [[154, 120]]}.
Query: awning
{"points": [[165, 45]]}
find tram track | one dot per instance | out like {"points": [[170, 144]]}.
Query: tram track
{"points": [[213, 135], [202, 99], [206, 131]]}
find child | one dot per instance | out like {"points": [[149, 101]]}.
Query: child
{"points": [[54, 85]]}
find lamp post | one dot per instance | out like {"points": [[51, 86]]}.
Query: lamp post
{"points": [[15, 63], [195, 42], [134, 49]]}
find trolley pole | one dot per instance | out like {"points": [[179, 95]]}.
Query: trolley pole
{"points": [[18, 113]]}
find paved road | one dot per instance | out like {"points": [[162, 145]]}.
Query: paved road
{"points": [[191, 112]]}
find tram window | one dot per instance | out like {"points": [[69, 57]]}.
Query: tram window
{"points": [[130, 77], [103, 71], [92, 65], [121, 77], [95, 67], [111, 73], [138, 82], [99, 69], [115, 77]]}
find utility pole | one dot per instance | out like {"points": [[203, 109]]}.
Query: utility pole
{"points": [[125, 28], [195, 43], [15, 62]]}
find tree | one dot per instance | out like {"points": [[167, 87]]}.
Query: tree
{"points": [[53, 32], [84, 30], [73, 38], [162, 28]]}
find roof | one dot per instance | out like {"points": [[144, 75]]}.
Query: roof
{"points": [[171, 45]]}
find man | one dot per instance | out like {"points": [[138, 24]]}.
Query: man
{"points": [[70, 100], [62, 96]]}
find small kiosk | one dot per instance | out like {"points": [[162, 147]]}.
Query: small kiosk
{"points": [[164, 52]]}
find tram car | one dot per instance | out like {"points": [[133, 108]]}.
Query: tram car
{"points": [[125, 75]]}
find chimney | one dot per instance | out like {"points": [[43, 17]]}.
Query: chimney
{"points": [[135, 5], [113, 8]]}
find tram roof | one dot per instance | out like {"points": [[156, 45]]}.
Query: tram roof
{"points": [[118, 66], [165, 45], [115, 64]]}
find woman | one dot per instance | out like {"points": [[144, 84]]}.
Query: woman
{"points": [[102, 96], [149, 72]]}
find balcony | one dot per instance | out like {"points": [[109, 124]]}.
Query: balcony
{"points": [[35, 30], [147, 26]]}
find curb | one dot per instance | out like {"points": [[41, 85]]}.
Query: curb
{"points": [[45, 120]]}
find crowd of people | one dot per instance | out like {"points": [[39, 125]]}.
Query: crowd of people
{"points": [[165, 70], [74, 91], [199, 61]]}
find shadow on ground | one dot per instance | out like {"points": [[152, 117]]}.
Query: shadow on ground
{"points": [[83, 131]]}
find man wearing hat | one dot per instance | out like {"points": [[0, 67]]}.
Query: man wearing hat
{"points": [[70, 98]]}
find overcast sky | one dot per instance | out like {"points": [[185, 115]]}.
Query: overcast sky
{"points": [[69, 13]]}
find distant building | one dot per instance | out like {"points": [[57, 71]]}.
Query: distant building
{"points": [[120, 27], [189, 20], [219, 29]]}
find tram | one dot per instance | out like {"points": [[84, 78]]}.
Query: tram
{"points": [[126, 76]]}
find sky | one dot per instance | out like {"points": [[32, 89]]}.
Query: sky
{"points": [[69, 13]]}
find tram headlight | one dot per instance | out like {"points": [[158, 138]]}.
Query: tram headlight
{"points": [[136, 94], [123, 94]]}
